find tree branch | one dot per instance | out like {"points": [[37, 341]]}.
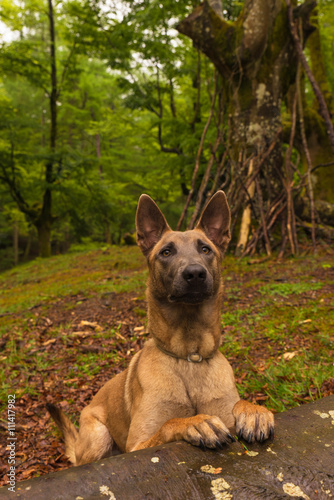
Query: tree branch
{"points": [[316, 89], [307, 155], [204, 182], [163, 148], [66, 66], [329, 164], [203, 25], [198, 156], [16, 194], [197, 84]]}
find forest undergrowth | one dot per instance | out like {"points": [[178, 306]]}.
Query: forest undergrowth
{"points": [[71, 322]]}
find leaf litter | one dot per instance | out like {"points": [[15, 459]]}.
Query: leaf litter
{"points": [[62, 352]]}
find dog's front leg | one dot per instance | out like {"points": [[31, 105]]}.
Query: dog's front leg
{"points": [[200, 430], [253, 422]]}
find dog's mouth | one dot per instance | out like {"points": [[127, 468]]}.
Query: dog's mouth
{"points": [[193, 297]]}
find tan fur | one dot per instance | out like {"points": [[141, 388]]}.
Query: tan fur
{"points": [[163, 397]]}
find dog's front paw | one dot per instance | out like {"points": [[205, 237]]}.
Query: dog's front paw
{"points": [[207, 431], [253, 423]]}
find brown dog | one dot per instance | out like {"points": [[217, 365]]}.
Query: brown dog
{"points": [[179, 386]]}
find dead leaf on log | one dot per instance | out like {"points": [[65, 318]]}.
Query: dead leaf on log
{"points": [[209, 469]]}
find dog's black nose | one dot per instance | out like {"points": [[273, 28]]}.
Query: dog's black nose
{"points": [[194, 274]]}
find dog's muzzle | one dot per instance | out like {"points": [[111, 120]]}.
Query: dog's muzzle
{"points": [[192, 286]]}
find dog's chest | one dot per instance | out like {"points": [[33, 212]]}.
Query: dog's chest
{"points": [[203, 381]]}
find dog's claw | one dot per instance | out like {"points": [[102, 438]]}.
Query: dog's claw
{"points": [[250, 437], [231, 438], [271, 433], [261, 437], [219, 445], [202, 445]]}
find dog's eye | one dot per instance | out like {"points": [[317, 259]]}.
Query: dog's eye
{"points": [[206, 250], [166, 252]]}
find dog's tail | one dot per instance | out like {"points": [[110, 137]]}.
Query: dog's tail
{"points": [[68, 430]]}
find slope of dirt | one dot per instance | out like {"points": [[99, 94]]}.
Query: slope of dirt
{"points": [[67, 350]]}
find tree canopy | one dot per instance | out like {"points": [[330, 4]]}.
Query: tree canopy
{"points": [[101, 101]]}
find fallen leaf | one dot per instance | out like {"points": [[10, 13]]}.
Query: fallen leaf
{"points": [[289, 355], [209, 469], [81, 334], [91, 324], [252, 453], [51, 341], [294, 491], [119, 336]]}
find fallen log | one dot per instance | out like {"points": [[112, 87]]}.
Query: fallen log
{"points": [[298, 463]]}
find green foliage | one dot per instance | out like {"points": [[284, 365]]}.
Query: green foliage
{"points": [[133, 97], [285, 289], [125, 114]]}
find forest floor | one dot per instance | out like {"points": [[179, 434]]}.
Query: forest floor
{"points": [[69, 323]]}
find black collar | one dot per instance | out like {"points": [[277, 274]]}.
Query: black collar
{"points": [[193, 357]]}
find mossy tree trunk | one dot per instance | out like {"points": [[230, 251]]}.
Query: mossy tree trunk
{"points": [[257, 60], [318, 62], [43, 225], [318, 140]]}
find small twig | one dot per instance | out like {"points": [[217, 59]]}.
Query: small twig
{"points": [[198, 156], [288, 182], [204, 182], [308, 157], [265, 233], [315, 86], [329, 164]]}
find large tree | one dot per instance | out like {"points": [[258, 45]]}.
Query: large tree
{"points": [[37, 65], [256, 58]]}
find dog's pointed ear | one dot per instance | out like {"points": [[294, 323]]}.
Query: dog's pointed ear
{"points": [[215, 220], [150, 224]]}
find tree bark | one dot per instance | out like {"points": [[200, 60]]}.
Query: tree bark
{"points": [[16, 242], [315, 86], [44, 237], [251, 54], [256, 56], [246, 215], [318, 63]]}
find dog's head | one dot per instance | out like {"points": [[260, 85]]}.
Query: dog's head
{"points": [[184, 266]]}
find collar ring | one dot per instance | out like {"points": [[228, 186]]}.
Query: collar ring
{"points": [[195, 358]]}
